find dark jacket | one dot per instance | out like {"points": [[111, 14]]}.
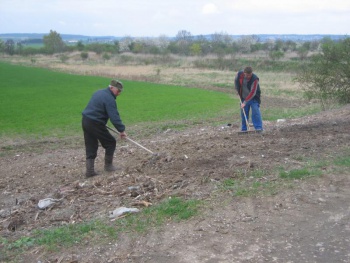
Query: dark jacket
{"points": [[252, 85], [102, 106]]}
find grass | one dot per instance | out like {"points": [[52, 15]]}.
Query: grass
{"points": [[228, 184], [295, 173], [342, 161], [252, 182], [265, 188], [39, 102], [53, 239], [172, 209], [273, 114]]}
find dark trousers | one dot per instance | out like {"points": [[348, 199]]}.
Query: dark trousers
{"points": [[95, 132]]}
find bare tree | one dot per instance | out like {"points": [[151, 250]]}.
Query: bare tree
{"points": [[245, 43], [10, 47], [184, 41], [2, 45]]}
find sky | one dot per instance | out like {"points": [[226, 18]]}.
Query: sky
{"points": [[154, 18]]}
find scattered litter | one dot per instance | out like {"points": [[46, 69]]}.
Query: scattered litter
{"points": [[321, 200], [228, 125], [121, 211], [281, 120], [186, 156], [134, 188], [45, 203], [5, 213], [142, 203]]}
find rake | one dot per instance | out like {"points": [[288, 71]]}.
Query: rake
{"points": [[136, 143], [247, 123]]}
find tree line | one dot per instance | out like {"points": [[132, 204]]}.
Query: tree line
{"points": [[184, 44], [324, 76]]}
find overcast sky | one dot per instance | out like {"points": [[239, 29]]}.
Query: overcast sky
{"points": [[154, 18]]}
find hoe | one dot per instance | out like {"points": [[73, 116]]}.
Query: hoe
{"points": [[248, 131], [136, 143]]}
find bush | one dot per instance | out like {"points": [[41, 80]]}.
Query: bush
{"points": [[276, 55], [327, 76], [84, 55]]}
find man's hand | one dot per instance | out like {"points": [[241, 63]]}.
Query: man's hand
{"points": [[242, 105], [123, 135]]}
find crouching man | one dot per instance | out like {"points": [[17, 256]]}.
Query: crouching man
{"points": [[101, 108]]}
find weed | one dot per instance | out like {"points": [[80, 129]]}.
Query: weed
{"points": [[273, 114], [22, 242], [64, 58], [297, 173], [343, 161], [228, 184], [258, 173], [175, 209], [66, 235], [241, 173], [245, 188], [299, 158]]}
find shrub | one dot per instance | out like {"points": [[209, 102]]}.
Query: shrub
{"points": [[84, 55], [327, 76]]}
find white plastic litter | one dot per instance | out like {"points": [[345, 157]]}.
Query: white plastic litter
{"points": [[121, 211], [44, 203]]}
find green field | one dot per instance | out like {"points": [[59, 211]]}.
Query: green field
{"points": [[42, 103]]}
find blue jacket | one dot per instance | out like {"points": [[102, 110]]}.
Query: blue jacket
{"points": [[102, 106]]}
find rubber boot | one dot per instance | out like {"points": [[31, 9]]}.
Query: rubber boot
{"points": [[90, 168], [109, 167]]}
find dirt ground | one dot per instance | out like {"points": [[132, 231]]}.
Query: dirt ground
{"points": [[309, 221]]}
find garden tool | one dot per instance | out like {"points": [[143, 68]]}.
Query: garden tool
{"points": [[136, 143], [247, 123], [245, 117]]}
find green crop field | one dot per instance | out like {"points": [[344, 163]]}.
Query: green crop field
{"points": [[42, 103]]}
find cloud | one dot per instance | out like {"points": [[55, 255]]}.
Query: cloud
{"points": [[135, 18], [210, 9], [287, 6]]}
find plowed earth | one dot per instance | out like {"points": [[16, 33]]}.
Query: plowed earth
{"points": [[309, 221]]}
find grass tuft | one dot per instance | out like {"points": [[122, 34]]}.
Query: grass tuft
{"points": [[172, 209], [343, 161]]}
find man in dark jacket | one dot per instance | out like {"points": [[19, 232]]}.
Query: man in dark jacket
{"points": [[248, 89], [101, 107]]}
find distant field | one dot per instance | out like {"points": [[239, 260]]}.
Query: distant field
{"points": [[38, 102]]}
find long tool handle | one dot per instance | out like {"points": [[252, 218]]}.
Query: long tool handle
{"points": [[245, 116], [132, 141]]}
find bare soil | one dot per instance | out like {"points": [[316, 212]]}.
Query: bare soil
{"points": [[305, 220]]}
